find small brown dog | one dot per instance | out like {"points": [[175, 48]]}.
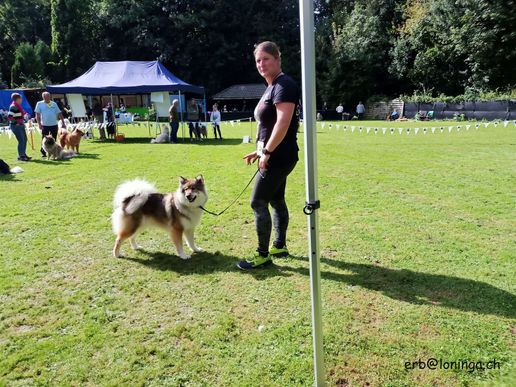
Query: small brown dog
{"points": [[71, 140]]}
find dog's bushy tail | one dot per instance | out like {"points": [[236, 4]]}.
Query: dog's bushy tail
{"points": [[138, 190]]}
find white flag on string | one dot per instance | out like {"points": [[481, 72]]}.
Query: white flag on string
{"points": [[416, 130], [505, 123], [360, 129], [433, 130], [486, 124], [322, 125], [352, 129], [450, 129], [338, 126], [467, 127], [9, 133], [458, 128], [424, 130], [408, 130], [400, 130], [329, 126], [368, 129], [375, 130], [232, 123], [392, 130], [384, 130]]}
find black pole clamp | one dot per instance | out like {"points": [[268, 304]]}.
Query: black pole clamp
{"points": [[310, 207]]}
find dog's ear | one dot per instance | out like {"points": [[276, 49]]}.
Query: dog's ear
{"points": [[182, 180], [200, 178]]}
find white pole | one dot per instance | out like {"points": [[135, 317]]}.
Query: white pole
{"points": [[306, 26]]}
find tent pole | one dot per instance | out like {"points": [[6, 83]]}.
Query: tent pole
{"points": [[306, 27], [113, 113], [181, 115], [205, 110]]}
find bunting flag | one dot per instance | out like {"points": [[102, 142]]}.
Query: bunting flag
{"points": [[9, 133], [505, 123], [400, 130], [232, 123], [368, 129], [486, 124], [392, 130], [433, 130], [416, 130], [450, 129], [338, 126], [384, 130], [376, 131], [322, 124], [329, 126], [408, 130], [424, 130], [476, 126], [442, 129], [467, 127], [360, 129], [352, 129]]}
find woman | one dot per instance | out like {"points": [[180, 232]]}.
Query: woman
{"points": [[215, 120], [173, 117], [17, 125], [277, 154]]}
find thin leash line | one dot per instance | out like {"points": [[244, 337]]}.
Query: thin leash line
{"points": [[234, 201]]}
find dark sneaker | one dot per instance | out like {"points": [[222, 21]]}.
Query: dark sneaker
{"points": [[279, 253], [258, 261]]}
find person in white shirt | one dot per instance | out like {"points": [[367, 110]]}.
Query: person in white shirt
{"points": [[340, 110], [360, 110], [215, 121]]}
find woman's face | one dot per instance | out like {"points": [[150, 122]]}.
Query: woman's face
{"points": [[266, 64], [18, 100]]}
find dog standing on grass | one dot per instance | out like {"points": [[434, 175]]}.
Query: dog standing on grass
{"points": [[137, 204]]}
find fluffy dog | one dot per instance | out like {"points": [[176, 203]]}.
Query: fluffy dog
{"points": [[163, 137], [54, 151], [203, 131], [137, 204], [71, 140]]}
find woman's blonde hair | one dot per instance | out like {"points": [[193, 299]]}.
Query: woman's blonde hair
{"points": [[270, 48]]}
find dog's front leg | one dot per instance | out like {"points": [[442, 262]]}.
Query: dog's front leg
{"points": [[189, 236], [177, 239]]}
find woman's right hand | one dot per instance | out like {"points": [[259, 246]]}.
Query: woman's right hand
{"points": [[251, 157]]}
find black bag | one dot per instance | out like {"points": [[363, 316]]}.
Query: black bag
{"points": [[4, 168]]}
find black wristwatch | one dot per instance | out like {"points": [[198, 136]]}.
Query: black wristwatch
{"points": [[265, 151]]}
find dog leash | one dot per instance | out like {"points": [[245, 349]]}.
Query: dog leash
{"points": [[238, 197]]}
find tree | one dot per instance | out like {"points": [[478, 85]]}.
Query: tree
{"points": [[27, 65]]}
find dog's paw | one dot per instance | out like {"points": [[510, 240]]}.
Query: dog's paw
{"points": [[136, 247], [197, 249], [185, 256]]}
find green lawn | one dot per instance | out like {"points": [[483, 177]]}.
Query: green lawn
{"points": [[418, 250]]}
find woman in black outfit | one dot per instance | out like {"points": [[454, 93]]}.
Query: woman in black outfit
{"points": [[276, 151]]}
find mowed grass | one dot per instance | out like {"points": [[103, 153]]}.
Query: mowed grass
{"points": [[418, 246]]}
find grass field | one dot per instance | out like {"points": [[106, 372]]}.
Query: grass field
{"points": [[418, 250]]}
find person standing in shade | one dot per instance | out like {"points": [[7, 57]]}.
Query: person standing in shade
{"points": [[215, 121], [192, 114], [16, 117], [360, 110], [340, 110], [47, 114], [173, 117], [277, 152]]}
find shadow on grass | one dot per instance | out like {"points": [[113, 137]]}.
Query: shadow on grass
{"points": [[87, 156], [51, 162], [8, 177], [421, 288], [186, 141], [200, 263]]}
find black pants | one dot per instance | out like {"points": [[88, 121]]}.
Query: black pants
{"points": [[215, 128], [269, 188], [45, 131], [194, 129], [174, 127]]}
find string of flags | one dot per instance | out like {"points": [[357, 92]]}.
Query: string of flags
{"points": [[423, 130]]}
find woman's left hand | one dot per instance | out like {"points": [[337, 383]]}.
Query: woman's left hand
{"points": [[264, 161]]}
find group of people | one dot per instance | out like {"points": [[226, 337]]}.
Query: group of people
{"points": [[48, 114], [194, 117]]}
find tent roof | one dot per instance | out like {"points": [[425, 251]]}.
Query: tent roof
{"points": [[125, 77], [246, 91], [5, 100]]}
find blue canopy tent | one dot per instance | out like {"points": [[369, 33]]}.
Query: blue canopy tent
{"points": [[5, 100], [127, 77]]}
